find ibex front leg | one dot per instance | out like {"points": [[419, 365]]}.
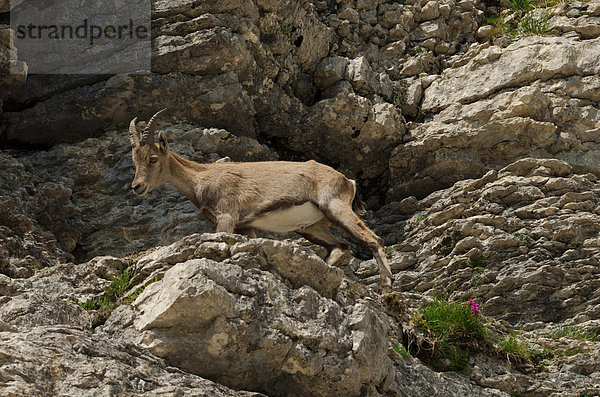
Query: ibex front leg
{"points": [[340, 213]]}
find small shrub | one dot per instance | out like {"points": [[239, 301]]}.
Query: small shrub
{"points": [[523, 237], [129, 299], [388, 251], [394, 304], [451, 321], [285, 30], [398, 98], [516, 393], [420, 218], [357, 289], [107, 302], [513, 345]]}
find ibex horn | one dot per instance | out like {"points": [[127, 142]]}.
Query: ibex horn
{"points": [[148, 133], [133, 134]]}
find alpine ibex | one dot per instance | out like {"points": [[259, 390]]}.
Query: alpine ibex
{"points": [[276, 196]]}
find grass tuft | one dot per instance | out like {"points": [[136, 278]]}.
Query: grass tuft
{"points": [[113, 297], [574, 332], [477, 262], [534, 24], [522, 5], [453, 328]]}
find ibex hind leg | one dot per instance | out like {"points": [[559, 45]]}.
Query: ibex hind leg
{"points": [[224, 223], [319, 234], [340, 213], [246, 231]]}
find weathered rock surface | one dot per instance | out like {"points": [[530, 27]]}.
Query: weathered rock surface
{"points": [[58, 360], [259, 85], [491, 193], [543, 105], [242, 312], [48, 347], [272, 317], [529, 232]]}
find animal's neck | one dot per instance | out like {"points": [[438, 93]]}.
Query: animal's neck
{"points": [[184, 174]]}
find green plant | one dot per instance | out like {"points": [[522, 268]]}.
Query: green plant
{"points": [[395, 304], [522, 5], [493, 20], [574, 332], [421, 114], [520, 350], [451, 321], [499, 27], [388, 251], [398, 98], [477, 262], [523, 237], [285, 29], [453, 327], [420, 218], [129, 299], [534, 24], [401, 350], [357, 289], [110, 299]]}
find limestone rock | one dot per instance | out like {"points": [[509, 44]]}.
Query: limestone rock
{"points": [[523, 62], [66, 361], [534, 222], [256, 326]]}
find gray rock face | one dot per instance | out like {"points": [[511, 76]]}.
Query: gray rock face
{"points": [[270, 316], [524, 62], [488, 119], [260, 84], [238, 311], [490, 191], [533, 226], [56, 360]]}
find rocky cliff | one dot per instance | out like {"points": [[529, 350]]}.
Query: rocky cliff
{"points": [[471, 126]]}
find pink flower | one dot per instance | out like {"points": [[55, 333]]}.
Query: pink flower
{"points": [[474, 306]]}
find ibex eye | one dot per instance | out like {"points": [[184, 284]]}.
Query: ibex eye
{"points": [[153, 159]]}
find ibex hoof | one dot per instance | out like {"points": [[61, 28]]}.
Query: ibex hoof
{"points": [[385, 285]]}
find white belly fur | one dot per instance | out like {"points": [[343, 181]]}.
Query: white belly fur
{"points": [[289, 219]]}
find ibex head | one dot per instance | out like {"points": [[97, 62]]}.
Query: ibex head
{"points": [[150, 159]]}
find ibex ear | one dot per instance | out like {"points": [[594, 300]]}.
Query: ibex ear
{"points": [[162, 142]]}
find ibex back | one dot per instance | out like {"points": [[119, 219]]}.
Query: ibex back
{"points": [[276, 196]]}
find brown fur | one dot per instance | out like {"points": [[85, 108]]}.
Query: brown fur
{"points": [[231, 195]]}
